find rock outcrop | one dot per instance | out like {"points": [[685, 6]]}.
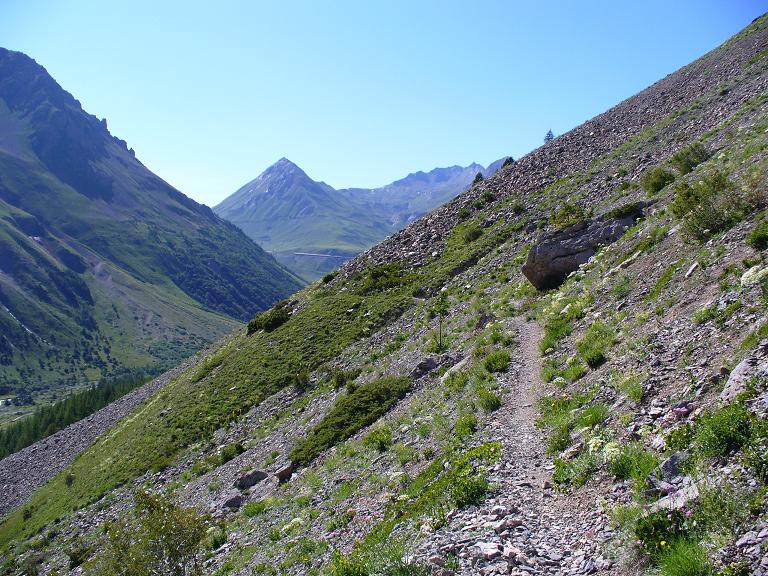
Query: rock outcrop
{"points": [[562, 252]]}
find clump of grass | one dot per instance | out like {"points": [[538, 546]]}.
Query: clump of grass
{"points": [[471, 233], [487, 399], [655, 179], [592, 416], [593, 347], [466, 425], [354, 410], [631, 385], [632, 462], [685, 558], [497, 361], [379, 439]]}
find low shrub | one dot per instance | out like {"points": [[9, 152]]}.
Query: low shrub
{"points": [[254, 508], [567, 215], [468, 488], [497, 361], [655, 179], [230, 451], [271, 319], [471, 233], [689, 157], [658, 530], [575, 472], [592, 416], [709, 205], [351, 412]]}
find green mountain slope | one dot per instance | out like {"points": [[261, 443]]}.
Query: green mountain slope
{"points": [[313, 229], [442, 415], [105, 268]]}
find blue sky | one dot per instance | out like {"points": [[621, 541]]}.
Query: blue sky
{"points": [[358, 93]]}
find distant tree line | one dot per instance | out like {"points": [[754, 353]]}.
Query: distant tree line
{"points": [[49, 419]]}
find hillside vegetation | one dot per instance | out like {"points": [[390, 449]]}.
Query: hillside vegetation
{"points": [[427, 410], [104, 267]]}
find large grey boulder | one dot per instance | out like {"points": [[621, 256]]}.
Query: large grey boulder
{"points": [[755, 364], [250, 479], [559, 253]]}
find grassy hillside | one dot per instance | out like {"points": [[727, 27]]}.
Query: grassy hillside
{"points": [[635, 349]]}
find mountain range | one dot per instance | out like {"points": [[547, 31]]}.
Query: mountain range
{"points": [[313, 228], [104, 267]]}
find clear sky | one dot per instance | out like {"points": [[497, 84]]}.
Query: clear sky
{"points": [[359, 92]]}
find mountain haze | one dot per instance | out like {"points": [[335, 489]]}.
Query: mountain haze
{"points": [[104, 267], [313, 228]]}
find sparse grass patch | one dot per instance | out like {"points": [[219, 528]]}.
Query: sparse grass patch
{"points": [[758, 236], [593, 347], [576, 472], [487, 399], [685, 558]]}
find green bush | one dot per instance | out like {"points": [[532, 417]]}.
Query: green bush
{"points": [[271, 319], [758, 236], [685, 558], [160, 535], [351, 412], [633, 463], [567, 215], [559, 440], [709, 205], [575, 472], [593, 347], [655, 179], [379, 439], [497, 361], [592, 416], [230, 451], [723, 431], [466, 424], [328, 277], [381, 278], [689, 157]]}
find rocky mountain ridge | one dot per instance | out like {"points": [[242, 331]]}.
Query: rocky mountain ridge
{"points": [[312, 228]]}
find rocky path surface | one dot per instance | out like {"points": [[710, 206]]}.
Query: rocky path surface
{"points": [[25, 471], [525, 527]]}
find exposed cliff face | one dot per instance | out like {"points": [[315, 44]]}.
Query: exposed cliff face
{"points": [[565, 432], [104, 267]]}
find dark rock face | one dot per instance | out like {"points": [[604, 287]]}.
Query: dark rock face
{"points": [[562, 252], [250, 479]]}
